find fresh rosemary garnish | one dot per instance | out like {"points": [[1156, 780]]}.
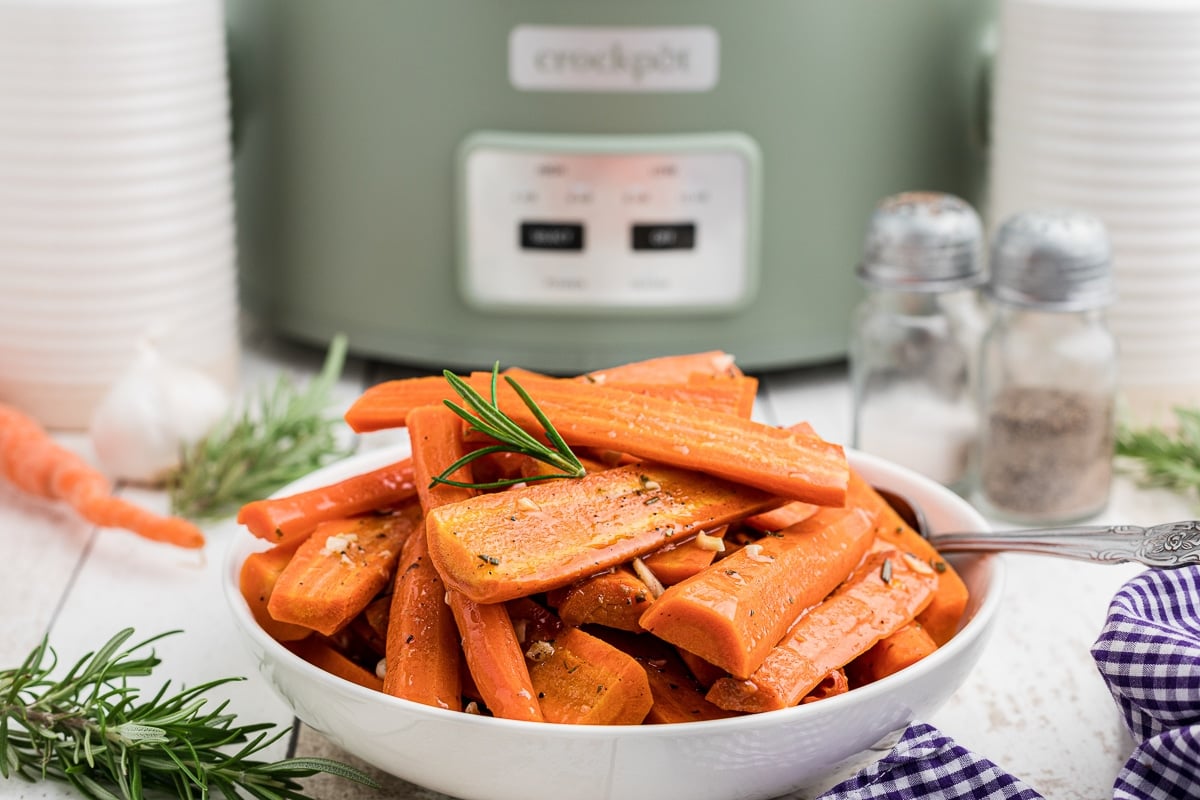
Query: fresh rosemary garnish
{"points": [[486, 417], [91, 729], [1164, 458], [284, 434]]}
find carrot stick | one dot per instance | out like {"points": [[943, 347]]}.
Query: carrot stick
{"points": [[831, 685], [782, 517], [422, 652], [615, 599], [730, 395], [502, 681], [669, 369], [282, 519], [891, 654], [260, 572], [498, 546], [886, 591], [340, 568], [675, 564], [792, 465], [320, 653], [944, 612], [585, 681], [34, 463], [734, 612]]}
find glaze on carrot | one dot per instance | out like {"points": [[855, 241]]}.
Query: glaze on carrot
{"points": [[733, 613], [676, 563], [885, 592], [503, 545], [422, 653], [615, 599], [282, 520], [488, 644], [340, 568], [34, 463]]}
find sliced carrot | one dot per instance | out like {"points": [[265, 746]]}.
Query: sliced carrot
{"points": [[280, 520], [942, 616], [340, 568], [319, 652], [783, 517], [704, 673], [734, 612], [260, 571], [886, 591], [730, 395], [792, 465], [891, 654], [831, 685], [499, 546], [669, 369], [583, 680], [678, 696], [615, 599], [676, 563], [422, 651], [385, 405], [489, 644], [34, 463]]}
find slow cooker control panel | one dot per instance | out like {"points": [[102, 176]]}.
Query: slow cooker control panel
{"points": [[608, 223]]}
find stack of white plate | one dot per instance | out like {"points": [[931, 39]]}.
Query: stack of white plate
{"points": [[116, 223], [1096, 106]]}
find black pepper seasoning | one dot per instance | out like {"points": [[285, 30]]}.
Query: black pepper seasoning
{"points": [[1048, 371]]}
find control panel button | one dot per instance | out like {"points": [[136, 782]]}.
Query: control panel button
{"points": [[659, 236], [551, 236]]}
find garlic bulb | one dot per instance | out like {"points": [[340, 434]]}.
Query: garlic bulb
{"points": [[150, 413]]}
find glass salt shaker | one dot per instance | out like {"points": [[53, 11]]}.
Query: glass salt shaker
{"points": [[1048, 371], [915, 336]]}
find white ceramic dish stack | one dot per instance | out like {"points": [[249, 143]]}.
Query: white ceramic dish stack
{"points": [[116, 220], [1096, 106]]}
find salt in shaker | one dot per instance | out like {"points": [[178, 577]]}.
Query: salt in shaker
{"points": [[1048, 371], [915, 336]]}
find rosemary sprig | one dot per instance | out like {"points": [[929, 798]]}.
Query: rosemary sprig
{"points": [[282, 434], [510, 437], [1164, 458], [91, 729]]}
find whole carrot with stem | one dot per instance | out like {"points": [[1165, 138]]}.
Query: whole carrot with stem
{"points": [[34, 463]]}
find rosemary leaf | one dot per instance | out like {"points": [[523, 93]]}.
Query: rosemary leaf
{"points": [[486, 417], [284, 433], [90, 728], [1165, 458]]}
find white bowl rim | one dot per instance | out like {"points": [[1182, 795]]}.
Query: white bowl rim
{"points": [[243, 543]]}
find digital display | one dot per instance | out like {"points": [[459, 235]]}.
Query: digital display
{"points": [[552, 236], [660, 236]]}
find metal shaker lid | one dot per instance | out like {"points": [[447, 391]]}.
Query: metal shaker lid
{"points": [[923, 242], [1052, 259]]}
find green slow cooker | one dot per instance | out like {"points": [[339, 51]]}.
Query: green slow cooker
{"points": [[563, 185]]}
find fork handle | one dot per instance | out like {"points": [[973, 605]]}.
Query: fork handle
{"points": [[1172, 544]]}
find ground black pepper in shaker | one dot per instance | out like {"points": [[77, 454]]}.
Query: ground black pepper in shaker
{"points": [[1048, 371]]}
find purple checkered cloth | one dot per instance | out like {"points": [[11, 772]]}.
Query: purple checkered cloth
{"points": [[1148, 652]]}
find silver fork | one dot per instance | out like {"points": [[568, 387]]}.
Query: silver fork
{"points": [[1172, 544]]}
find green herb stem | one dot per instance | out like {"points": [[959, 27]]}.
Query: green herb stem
{"points": [[283, 434], [486, 417], [1165, 458], [91, 729]]}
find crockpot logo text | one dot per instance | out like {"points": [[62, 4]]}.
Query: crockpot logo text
{"points": [[613, 59], [548, 58]]}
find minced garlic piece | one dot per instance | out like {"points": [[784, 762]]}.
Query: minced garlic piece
{"points": [[526, 504], [337, 544], [539, 651], [754, 553], [714, 543], [648, 577]]}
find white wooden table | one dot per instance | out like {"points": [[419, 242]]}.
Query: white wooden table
{"points": [[1036, 704]]}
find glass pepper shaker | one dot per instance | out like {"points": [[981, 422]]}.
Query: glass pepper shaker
{"points": [[915, 336], [1048, 371]]}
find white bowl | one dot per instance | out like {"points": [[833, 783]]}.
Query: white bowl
{"points": [[751, 757]]}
